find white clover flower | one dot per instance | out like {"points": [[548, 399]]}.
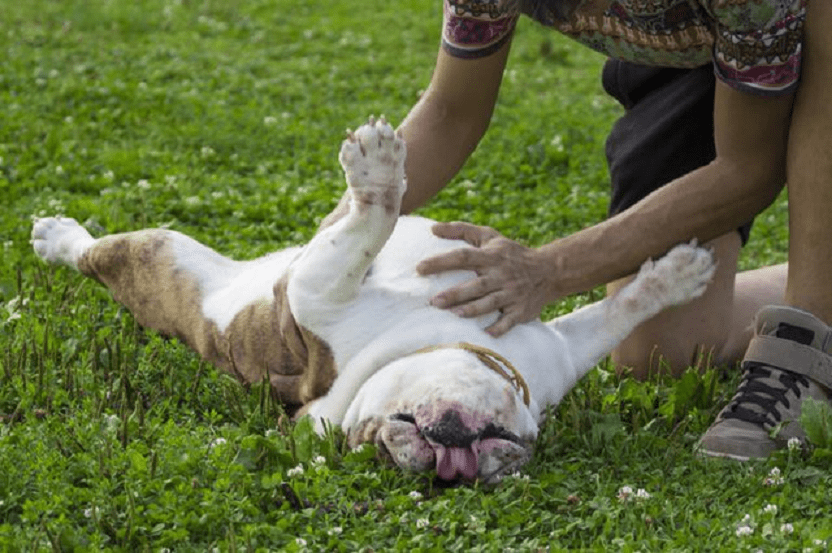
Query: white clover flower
{"points": [[109, 175], [319, 460], [272, 432], [207, 151], [143, 184], [641, 493], [91, 512], [270, 120], [335, 531], [415, 495], [794, 444], [774, 478], [744, 531], [624, 493], [296, 471], [787, 528], [68, 120], [301, 542], [770, 509], [59, 170], [422, 523], [217, 442]]}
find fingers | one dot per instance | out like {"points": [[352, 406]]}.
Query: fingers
{"points": [[469, 299], [461, 259], [473, 234], [464, 258], [506, 322]]}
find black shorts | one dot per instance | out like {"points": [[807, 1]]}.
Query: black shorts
{"points": [[666, 131]]}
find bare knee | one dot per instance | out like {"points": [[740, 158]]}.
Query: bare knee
{"points": [[667, 350]]}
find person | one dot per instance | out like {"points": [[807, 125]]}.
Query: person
{"points": [[725, 103]]}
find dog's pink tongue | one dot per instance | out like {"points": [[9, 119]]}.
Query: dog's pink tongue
{"points": [[456, 461]]}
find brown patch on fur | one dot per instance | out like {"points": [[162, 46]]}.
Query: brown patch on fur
{"points": [[388, 198], [263, 339]]}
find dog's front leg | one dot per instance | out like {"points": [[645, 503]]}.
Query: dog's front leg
{"points": [[594, 331], [331, 268]]}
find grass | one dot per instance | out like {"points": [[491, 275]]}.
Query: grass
{"points": [[224, 123]]}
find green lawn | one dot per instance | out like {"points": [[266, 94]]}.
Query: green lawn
{"points": [[225, 123]]}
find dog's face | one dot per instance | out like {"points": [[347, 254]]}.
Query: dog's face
{"points": [[444, 411]]}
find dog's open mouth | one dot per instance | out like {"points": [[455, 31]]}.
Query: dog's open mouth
{"points": [[452, 448]]}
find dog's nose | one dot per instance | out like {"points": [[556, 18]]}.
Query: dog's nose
{"points": [[450, 431]]}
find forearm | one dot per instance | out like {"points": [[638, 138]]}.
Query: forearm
{"points": [[702, 205], [438, 144], [750, 133]]}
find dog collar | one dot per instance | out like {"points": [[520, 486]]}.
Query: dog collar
{"points": [[492, 360]]}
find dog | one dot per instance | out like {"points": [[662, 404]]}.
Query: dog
{"points": [[343, 330]]}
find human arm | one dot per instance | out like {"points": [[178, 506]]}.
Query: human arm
{"points": [[747, 174], [447, 122]]}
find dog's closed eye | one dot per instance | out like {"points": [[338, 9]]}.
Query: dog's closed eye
{"points": [[404, 417]]}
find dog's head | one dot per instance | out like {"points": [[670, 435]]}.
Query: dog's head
{"points": [[445, 410]]}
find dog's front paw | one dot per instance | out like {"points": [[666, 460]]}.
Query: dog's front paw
{"points": [[678, 277], [60, 240], [373, 161]]}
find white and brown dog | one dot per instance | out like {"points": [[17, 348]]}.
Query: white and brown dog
{"points": [[343, 329]]}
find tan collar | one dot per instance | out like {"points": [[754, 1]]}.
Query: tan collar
{"points": [[492, 360]]}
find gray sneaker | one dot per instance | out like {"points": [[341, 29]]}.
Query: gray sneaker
{"points": [[787, 361]]}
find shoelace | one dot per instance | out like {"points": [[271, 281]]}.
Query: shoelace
{"points": [[754, 391]]}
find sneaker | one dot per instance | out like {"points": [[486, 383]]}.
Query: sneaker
{"points": [[787, 361]]}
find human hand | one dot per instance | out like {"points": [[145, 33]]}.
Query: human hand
{"points": [[511, 278]]}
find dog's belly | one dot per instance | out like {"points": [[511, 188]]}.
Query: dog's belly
{"points": [[411, 242]]}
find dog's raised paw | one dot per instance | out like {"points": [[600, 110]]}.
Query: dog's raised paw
{"points": [[60, 240], [373, 157], [682, 274]]}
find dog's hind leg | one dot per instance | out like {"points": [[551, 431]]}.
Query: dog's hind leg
{"points": [[595, 330], [159, 275], [329, 272], [60, 240]]}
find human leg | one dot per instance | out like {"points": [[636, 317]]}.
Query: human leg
{"points": [[790, 357]]}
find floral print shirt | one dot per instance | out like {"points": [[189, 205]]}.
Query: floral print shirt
{"points": [[755, 45]]}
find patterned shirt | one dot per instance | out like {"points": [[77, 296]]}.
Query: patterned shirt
{"points": [[755, 45]]}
